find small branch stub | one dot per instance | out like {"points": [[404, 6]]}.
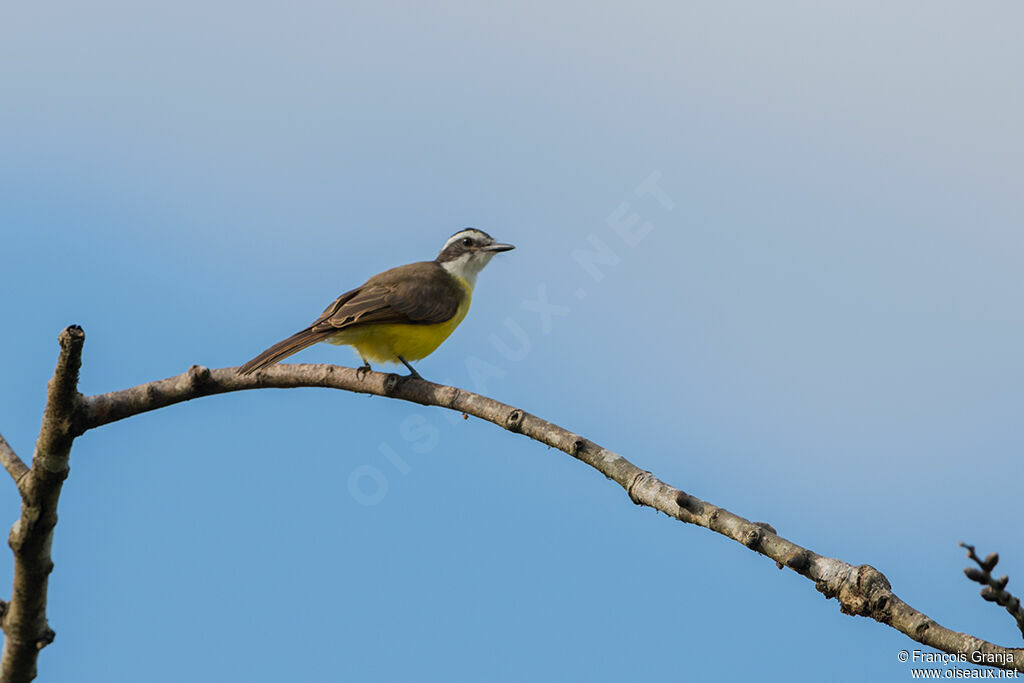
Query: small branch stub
{"points": [[12, 463]]}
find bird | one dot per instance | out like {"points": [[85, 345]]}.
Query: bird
{"points": [[402, 314]]}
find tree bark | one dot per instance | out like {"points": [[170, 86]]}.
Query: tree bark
{"points": [[24, 619], [860, 590]]}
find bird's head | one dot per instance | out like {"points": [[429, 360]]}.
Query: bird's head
{"points": [[467, 252]]}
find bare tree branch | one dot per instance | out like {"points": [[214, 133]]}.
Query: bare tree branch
{"points": [[12, 463], [860, 590], [24, 620], [994, 589]]}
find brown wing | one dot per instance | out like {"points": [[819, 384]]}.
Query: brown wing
{"points": [[416, 294]]}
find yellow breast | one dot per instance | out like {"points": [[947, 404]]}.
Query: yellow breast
{"points": [[384, 343]]}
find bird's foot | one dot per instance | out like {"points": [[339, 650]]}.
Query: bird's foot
{"points": [[363, 369], [412, 370]]}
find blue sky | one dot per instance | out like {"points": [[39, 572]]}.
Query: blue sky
{"points": [[821, 328]]}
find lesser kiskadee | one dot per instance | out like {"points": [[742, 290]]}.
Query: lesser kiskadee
{"points": [[402, 314]]}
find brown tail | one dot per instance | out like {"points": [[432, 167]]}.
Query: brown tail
{"points": [[282, 350]]}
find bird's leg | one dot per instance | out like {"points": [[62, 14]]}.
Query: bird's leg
{"points": [[364, 368], [412, 370]]}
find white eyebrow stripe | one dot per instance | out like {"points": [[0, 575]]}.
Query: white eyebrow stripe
{"points": [[468, 232]]}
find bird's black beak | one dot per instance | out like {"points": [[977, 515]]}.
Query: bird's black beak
{"points": [[496, 247]]}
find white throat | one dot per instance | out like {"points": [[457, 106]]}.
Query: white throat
{"points": [[468, 265]]}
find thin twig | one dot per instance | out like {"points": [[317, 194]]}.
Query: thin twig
{"points": [[994, 589], [860, 590]]}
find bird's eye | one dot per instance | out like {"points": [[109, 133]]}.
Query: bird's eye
{"points": [[467, 241]]}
